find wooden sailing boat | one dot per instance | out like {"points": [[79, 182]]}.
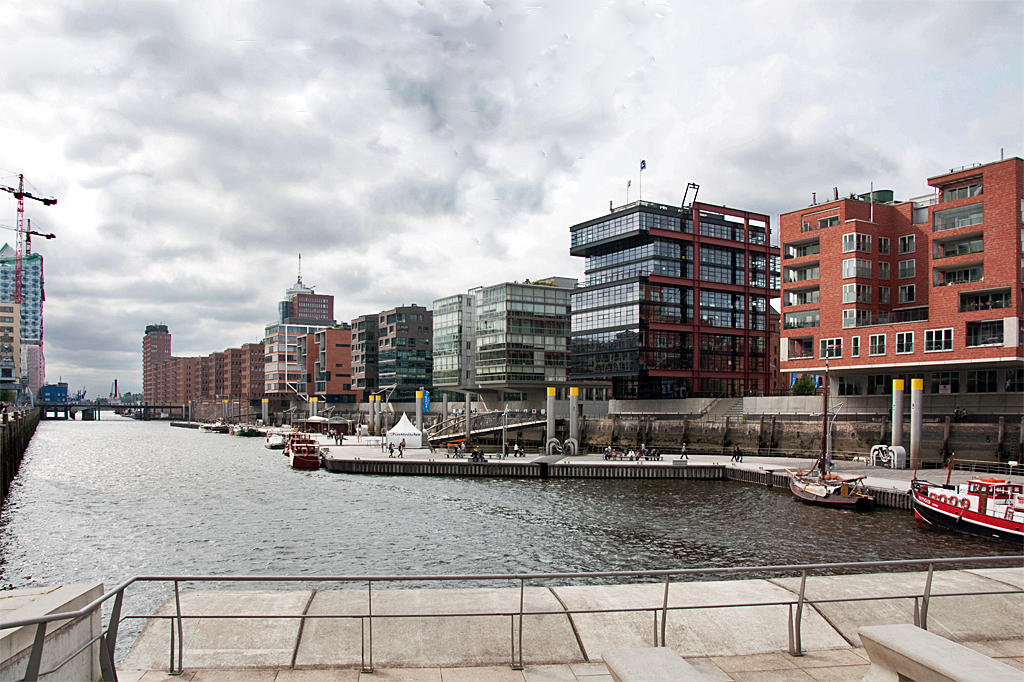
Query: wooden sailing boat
{"points": [[820, 487]]}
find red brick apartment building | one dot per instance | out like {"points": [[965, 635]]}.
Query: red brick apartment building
{"points": [[326, 356], [235, 375], [927, 288]]}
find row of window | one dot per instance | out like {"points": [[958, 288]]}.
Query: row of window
{"points": [[987, 333], [941, 383]]}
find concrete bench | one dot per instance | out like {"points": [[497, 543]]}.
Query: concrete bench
{"points": [[656, 664], [900, 652]]}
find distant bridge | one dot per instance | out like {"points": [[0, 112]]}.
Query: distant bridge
{"points": [[482, 424], [91, 411]]}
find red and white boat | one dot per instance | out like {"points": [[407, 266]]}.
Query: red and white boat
{"points": [[303, 452], [988, 507]]}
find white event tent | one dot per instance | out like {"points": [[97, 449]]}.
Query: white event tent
{"points": [[406, 430]]}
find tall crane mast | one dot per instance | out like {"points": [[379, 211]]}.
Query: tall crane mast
{"points": [[19, 247]]}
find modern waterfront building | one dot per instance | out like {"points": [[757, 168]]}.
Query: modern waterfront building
{"points": [[327, 357], [32, 362], [405, 357], [364, 355], [676, 301], [454, 342], [10, 346], [927, 288], [508, 342], [303, 311]]}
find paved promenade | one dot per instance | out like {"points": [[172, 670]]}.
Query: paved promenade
{"points": [[877, 477], [737, 643]]}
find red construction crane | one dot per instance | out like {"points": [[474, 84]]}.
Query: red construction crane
{"points": [[19, 247]]}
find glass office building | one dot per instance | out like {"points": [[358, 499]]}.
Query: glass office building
{"points": [[675, 302]]}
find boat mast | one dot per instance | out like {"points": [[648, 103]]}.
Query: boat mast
{"points": [[824, 420]]}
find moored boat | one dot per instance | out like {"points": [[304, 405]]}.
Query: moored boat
{"points": [[831, 491], [987, 507], [819, 486], [275, 441], [303, 452]]}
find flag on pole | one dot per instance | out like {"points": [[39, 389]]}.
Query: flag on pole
{"points": [[643, 164]]}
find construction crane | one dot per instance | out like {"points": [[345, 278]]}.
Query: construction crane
{"points": [[19, 247]]}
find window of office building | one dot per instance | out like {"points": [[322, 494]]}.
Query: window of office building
{"points": [[938, 339], [879, 384], [855, 347], [876, 344], [985, 333], [830, 348], [959, 248], [907, 293], [883, 245], [906, 244], [945, 382], [856, 242], [883, 294], [988, 301], [850, 385], [883, 270], [981, 381], [962, 192], [856, 293], [963, 216], [907, 268], [1015, 381], [904, 342], [856, 267], [804, 318], [831, 221]]}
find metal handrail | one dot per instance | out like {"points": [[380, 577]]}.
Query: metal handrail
{"points": [[108, 637]]}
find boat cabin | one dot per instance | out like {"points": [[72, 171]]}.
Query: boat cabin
{"points": [[997, 490]]}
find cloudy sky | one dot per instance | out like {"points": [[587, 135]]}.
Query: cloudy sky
{"points": [[411, 150]]}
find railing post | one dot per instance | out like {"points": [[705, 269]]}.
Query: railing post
{"points": [[36, 656], [115, 622], [367, 641], [917, 612], [181, 635], [518, 664], [926, 598], [664, 612], [796, 645]]}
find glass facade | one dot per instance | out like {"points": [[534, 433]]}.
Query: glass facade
{"points": [[452, 316], [522, 333], [31, 291], [641, 334]]}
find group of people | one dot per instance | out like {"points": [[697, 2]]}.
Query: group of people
{"points": [[516, 451], [959, 415], [737, 454], [637, 455], [390, 448]]}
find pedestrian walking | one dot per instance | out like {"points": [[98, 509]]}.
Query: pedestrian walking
{"points": [[683, 454], [391, 449], [401, 448]]}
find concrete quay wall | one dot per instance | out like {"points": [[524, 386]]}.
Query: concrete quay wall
{"points": [[778, 435], [421, 627], [771, 477], [62, 638]]}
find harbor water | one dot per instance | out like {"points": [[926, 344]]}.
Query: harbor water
{"points": [[106, 500]]}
